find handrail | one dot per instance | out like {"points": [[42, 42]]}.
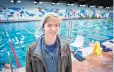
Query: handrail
{"points": [[72, 38], [69, 24], [9, 58], [14, 53]]}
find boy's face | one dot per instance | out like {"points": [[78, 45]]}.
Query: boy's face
{"points": [[51, 27]]}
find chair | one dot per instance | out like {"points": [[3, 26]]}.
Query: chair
{"points": [[79, 41], [107, 46]]}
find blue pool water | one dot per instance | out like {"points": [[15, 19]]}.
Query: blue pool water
{"points": [[22, 34]]}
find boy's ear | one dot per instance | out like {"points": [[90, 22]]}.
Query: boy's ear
{"points": [[42, 29]]}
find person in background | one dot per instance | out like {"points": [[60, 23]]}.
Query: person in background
{"points": [[49, 53], [6, 66]]}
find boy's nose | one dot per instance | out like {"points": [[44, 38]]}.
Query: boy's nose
{"points": [[53, 28]]}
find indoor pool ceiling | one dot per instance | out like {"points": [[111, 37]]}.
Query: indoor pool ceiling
{"points": [[104, 3], [88, 2]]}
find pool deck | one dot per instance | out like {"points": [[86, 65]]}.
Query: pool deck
{"points": [[92, 63], [103, 63]]}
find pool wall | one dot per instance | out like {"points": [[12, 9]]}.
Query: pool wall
{"points": [[16, 13]]}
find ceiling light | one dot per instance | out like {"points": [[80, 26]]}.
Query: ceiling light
{"points": [[80, 5], [35, 2], [57, 3], [92, 6], [68, 4], [12, 1], [100, 6], [53, 3], [40, 2], [72, 4], [83, 5], [107, 7], [18, 1]]}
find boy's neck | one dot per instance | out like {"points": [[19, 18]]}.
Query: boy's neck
{"points": [[49, 41]]}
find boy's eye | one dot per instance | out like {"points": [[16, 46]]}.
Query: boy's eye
{"points": [[49, 25], [56, 25]]}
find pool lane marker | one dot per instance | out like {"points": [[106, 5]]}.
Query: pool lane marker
{"points": [[14, 53]]}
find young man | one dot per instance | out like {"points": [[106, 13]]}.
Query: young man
{"points": [[49, 53]]}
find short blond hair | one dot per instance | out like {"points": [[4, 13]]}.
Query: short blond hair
{"points": [[49, 16]]}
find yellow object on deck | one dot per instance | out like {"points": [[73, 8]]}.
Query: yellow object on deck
{"points": [[97, 49]]}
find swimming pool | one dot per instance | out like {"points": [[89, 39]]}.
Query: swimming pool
{"points": [[22, 34]]}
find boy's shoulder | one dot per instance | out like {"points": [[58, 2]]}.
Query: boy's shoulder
{"points": [[32, 46], [64, 42]]}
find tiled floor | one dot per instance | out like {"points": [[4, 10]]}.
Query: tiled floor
{"points": [[103, 63]]}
